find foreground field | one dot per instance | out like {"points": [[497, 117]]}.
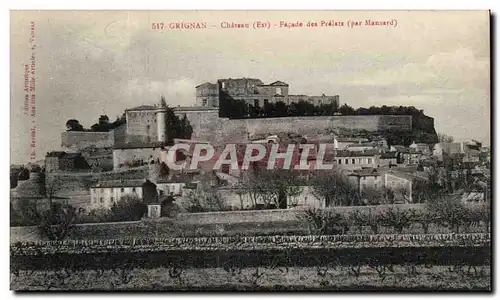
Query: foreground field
{"points": [[335, 262], [362, 278]]}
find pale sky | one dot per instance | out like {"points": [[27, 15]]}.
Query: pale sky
{"points": [[92, 63]]}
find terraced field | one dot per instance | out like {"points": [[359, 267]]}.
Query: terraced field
{"points": [[425, 261]]}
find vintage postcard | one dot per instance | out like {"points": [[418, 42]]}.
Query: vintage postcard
{"points": [[250, 150]]}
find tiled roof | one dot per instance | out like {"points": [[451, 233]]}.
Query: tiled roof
{"points": [[399, 148], [120, 183], [56, 154], [347, 140], [138, 145], [194, 108], [408, 176], [365, 172], [388, 155], [362, 145], [356, 153], [177, 178]]}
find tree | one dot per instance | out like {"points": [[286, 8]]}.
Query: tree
{"points": [[346, 110], [322, 222], [205, 197], [334, 188], [274, 188], [450, 211], [26, 213], [444, 138], [396, 218], [175, 127], [128, 208], [74, 125], [24, 174], [371, 196], [103, 120], [280, 109], [185, 128], [57, 222]]}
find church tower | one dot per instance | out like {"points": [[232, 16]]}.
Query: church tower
{"points": [[161, 115]]}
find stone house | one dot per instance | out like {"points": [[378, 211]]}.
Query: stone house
{"points": [[105, 193]]}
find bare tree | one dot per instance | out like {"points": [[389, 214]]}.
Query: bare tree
{"points": [[334, 188], [273, 187], [206, 197]]}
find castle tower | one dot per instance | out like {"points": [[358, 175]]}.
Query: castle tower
{"points": [[161, 115]]}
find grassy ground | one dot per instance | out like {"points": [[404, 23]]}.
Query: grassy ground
{"points": [[173, 229], [438, 278]]}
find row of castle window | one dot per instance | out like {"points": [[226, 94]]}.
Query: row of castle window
{"points": [[111, 189], [354, 161], [140, 114]]}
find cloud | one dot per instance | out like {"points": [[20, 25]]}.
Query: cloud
{"points": [[176, 91], [452, 70]]}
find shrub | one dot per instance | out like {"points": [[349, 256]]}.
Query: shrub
{"points": [[361, 218], [478, 214], [129, 208], [450, 212], [57, 222], [27, 212], [325, 222], [15, 218], [396, 218], [94, 216], [423, 217]]}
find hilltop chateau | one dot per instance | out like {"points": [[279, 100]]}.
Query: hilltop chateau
{"points": [[145, 124], [254, 92]]}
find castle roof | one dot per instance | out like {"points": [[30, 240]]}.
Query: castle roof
{"points": [[205, 84], [142, 107], [254, 80], [278, 83], [120, 183]]}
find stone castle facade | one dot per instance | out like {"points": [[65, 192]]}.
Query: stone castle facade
{"points": [[145, 124], [253, 92]]}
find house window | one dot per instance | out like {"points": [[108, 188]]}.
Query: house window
{"points": [[122, 190], [112, 199], [204, 102], [278, 91], [340, 161], [369, 160], [256, 102], [353, 161], [133, 190], [346, 161], [266, 102], [101, 200]]}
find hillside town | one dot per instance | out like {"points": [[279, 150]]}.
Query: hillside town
{"points": [[96, 168]]}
